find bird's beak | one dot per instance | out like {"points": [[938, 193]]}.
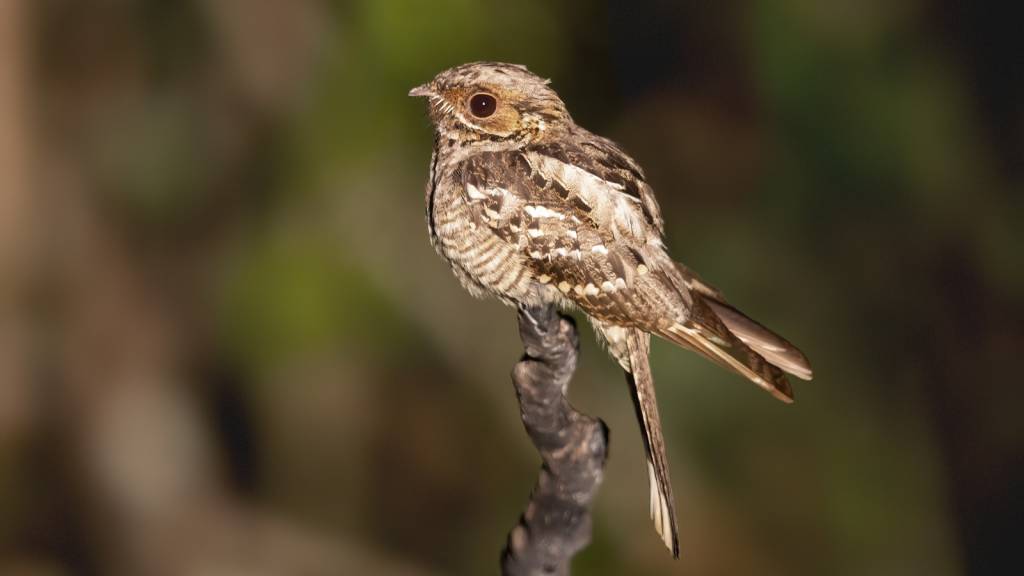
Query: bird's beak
{"points": [[423, 90]]}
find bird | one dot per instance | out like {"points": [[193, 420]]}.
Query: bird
{"points": [[532, 209]]}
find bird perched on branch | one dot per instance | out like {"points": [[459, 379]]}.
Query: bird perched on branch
{"points": [[530, 208]]}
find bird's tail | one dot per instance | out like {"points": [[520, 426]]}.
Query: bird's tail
{"points": [[663, 510]]}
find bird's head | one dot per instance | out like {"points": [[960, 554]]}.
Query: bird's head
{"points": [[492, 101]]}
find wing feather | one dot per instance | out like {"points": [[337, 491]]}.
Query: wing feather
{"points": [[575, 230], [585, 236], [705, 333], [771, 346]]}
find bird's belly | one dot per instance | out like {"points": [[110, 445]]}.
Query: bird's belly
{"points": [[485, 264]]}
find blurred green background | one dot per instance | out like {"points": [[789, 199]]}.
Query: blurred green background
{"points": [[226, 346]]}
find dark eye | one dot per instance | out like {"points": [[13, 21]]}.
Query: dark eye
{"points": [[482, 105]]}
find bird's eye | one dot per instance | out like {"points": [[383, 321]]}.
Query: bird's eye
{"points": [[482, 105]]}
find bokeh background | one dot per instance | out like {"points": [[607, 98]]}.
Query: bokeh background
{"points": [[227, 348]]}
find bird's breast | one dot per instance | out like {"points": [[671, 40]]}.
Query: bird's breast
{"points": [[486, 264]]}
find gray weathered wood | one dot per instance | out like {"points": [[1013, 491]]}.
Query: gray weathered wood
{"points": [[556, 523]]}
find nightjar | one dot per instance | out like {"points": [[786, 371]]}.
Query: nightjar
{"points": [[530, 208]]}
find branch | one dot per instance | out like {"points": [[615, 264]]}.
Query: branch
{"points": [[556, 523]]}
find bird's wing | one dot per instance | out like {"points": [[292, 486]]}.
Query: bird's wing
{"points": [[581, 234], [593, 240], [706, 334], [609, 163], [774, 348]]}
